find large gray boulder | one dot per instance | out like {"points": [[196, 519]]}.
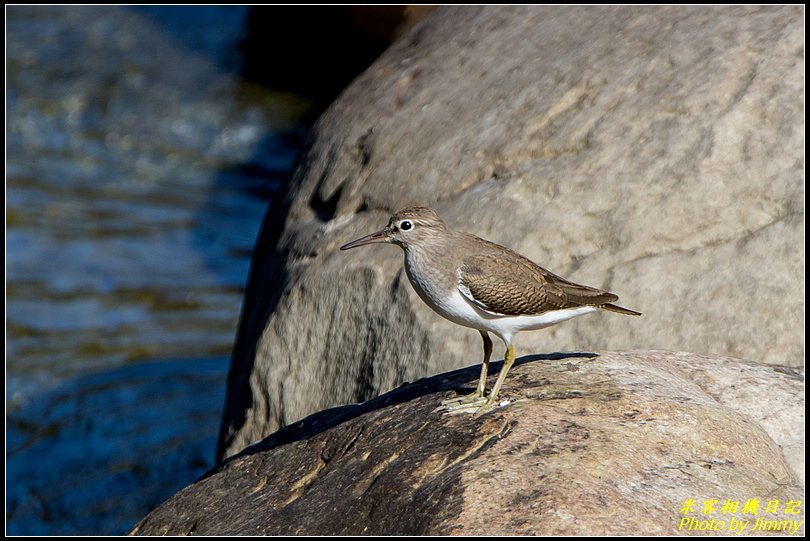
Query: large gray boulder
{"points": [[613, 443], [656, 152]]}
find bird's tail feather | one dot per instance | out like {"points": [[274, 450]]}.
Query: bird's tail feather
{"points": [[620, 310]]}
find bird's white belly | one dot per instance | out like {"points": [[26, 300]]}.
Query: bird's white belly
{"points": [[462, 311]]}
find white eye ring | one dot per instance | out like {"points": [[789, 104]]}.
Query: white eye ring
{"points": [[405, 225]]}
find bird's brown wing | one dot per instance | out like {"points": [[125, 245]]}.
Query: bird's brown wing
{"points": [[510, 284]]}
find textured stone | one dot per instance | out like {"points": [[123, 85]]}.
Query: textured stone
{"points": [[655, 152], [590, 444]]}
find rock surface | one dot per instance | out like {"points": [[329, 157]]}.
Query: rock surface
{"points": [[590, 444], [653, 151]]}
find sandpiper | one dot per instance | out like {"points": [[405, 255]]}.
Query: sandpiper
{"points": [[485, 286]]}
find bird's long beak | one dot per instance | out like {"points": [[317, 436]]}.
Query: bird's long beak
{"points": [[380, 236]]}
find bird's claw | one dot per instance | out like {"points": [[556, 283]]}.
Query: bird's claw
{"points": [[474, 404], [463, 400]]}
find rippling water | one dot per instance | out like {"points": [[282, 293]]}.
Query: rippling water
{"points": [[138, 170]]}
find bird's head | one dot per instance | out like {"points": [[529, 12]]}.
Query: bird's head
{"points": [[408, 227]]}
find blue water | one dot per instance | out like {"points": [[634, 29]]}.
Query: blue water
{"points": [[139, 167], [98, 452]]}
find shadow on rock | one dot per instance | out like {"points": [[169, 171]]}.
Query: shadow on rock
{"points": [[456, 380]]}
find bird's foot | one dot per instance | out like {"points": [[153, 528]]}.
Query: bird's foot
{"points": [[473, 403], [477, 396], [460, 408], [462, 404]]}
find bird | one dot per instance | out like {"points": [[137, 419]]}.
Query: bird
{"points": [[485, 286]]}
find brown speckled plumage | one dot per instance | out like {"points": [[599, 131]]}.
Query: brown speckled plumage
{"points": [[508, 283]]}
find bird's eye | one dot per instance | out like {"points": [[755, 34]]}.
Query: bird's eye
{"points": [[406, 225]]}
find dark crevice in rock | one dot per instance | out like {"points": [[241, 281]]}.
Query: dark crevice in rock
{"points": [[362, 207], [325, 209], [365, 146], [364, 383]]}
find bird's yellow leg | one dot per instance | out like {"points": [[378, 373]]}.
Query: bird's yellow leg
{"points": [[482, 404], [508, 360], [478, 395]]}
